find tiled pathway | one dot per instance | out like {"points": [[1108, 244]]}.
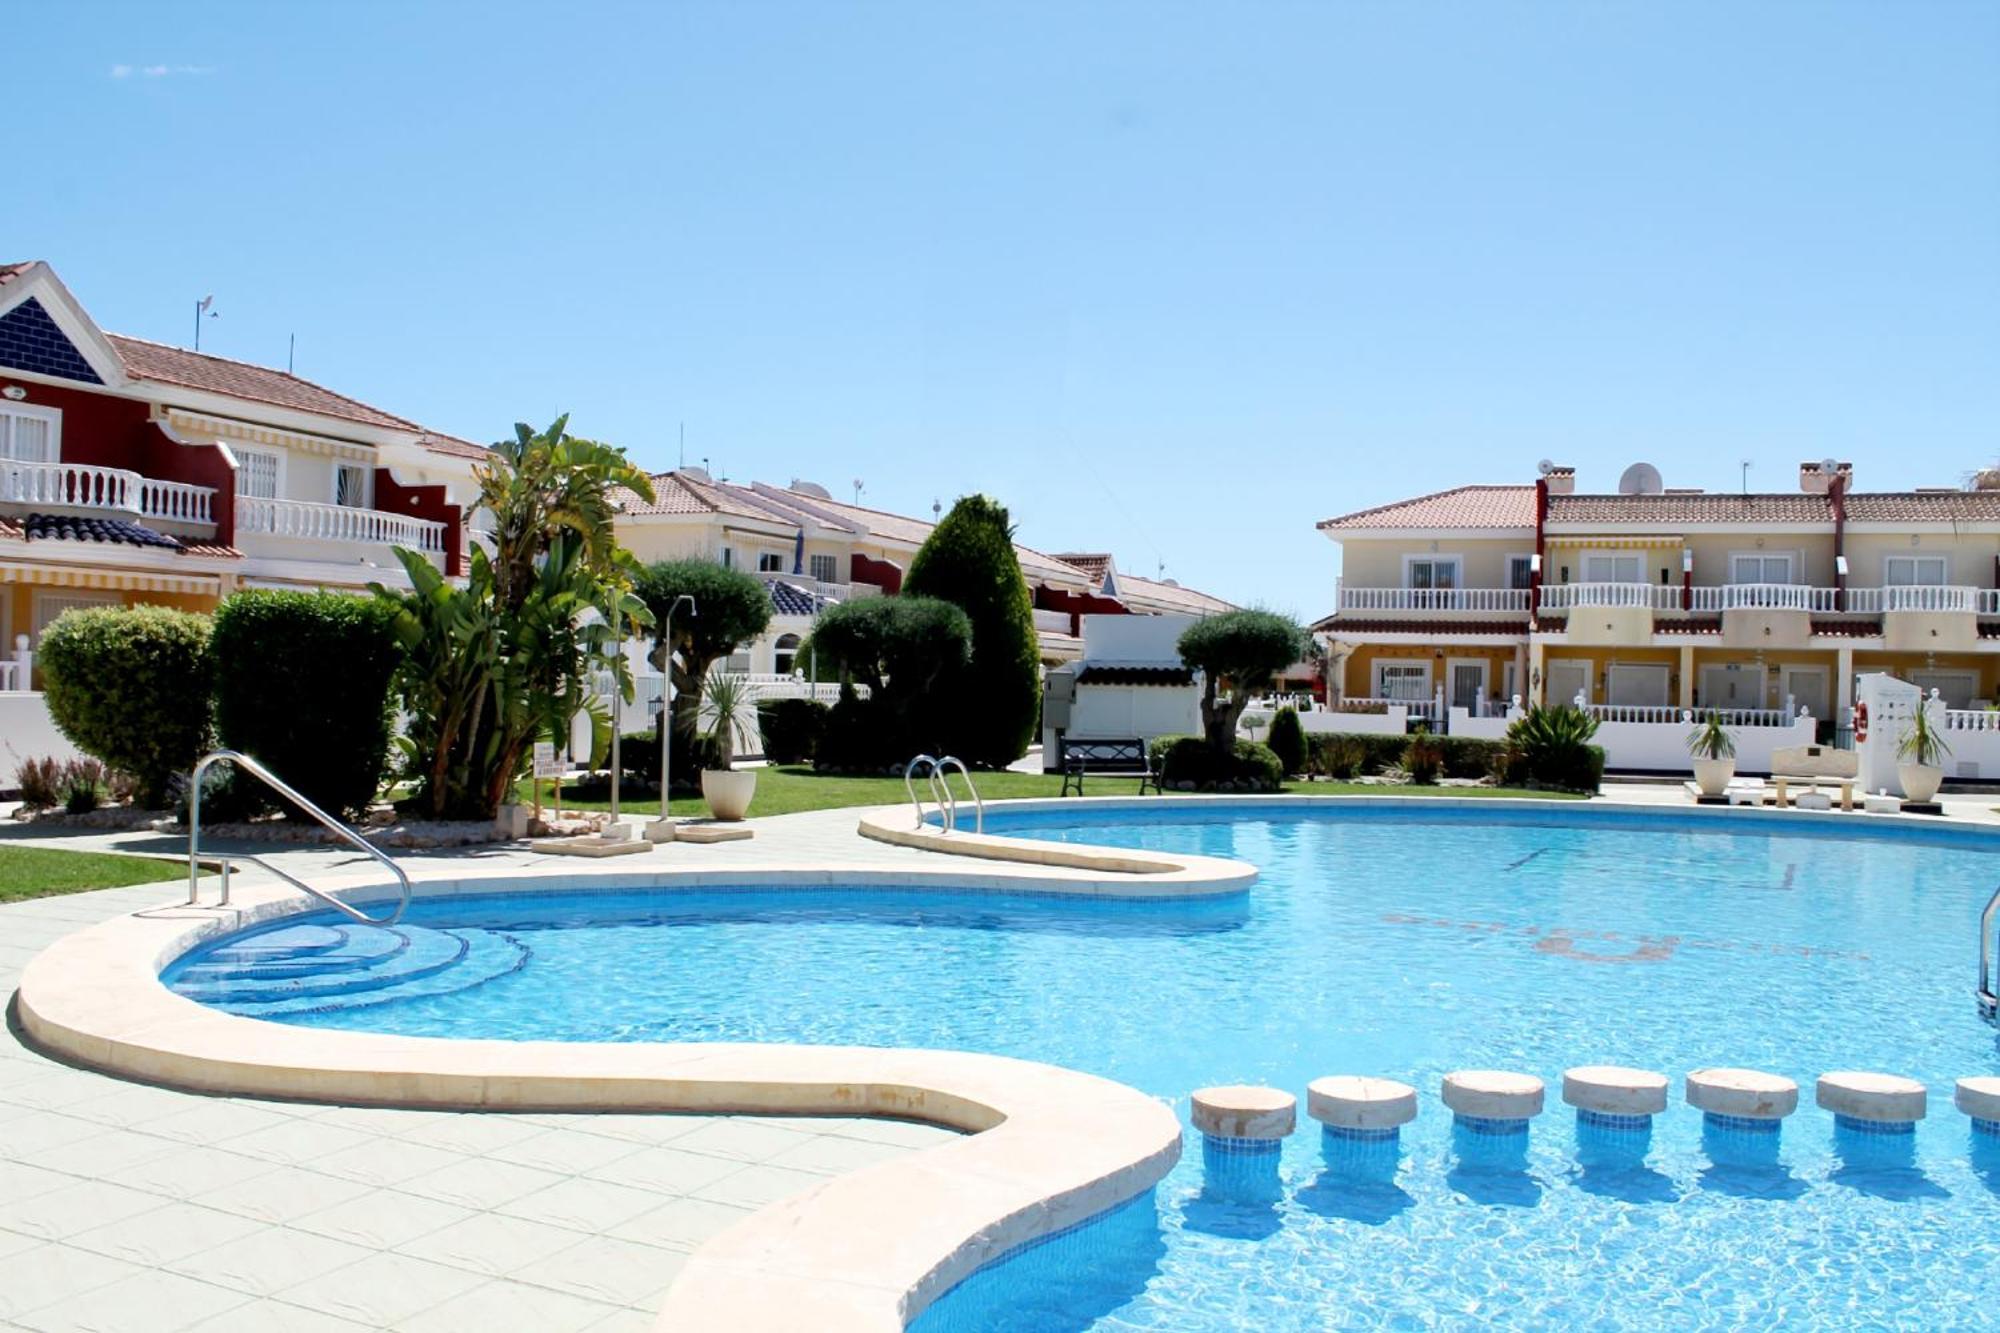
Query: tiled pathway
{"points": [[134, 1209]]}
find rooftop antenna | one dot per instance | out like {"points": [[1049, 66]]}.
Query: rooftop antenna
{"points": [[1746, 478], [937, 507], [291, 350], [857, 490], [684, 445], [201, 308]]}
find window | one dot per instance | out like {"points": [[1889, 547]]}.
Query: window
{"points": [[350, 485], [1612, 569], [49, 605], [30, 434], [1520, 571], [1903, 571], [1432, 572], [1760, 569], [770, 562], [257, 474], [784, 652], [1408, 681], [823, 568], [728, 558]]}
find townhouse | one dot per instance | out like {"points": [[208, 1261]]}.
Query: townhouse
{"points": [[1648, 601], [131, 471]]}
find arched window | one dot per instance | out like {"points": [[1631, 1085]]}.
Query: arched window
{"points": [[783, 653]]}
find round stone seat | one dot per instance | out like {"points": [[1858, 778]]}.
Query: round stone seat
{"points": [[1615, 1090], [1886, 1099], [1245, 1112], [1746, 1094], [1349, 1101], [1493, 1094], [1979, 1098]]}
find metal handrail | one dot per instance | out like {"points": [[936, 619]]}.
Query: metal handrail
{"points": [[938, 775], [1989, 988], [284, 789]]}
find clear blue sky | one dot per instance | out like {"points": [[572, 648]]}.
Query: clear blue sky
{"points": [[1172, 282]]}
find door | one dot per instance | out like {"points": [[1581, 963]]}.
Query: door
{"points": [[1734, 686], [1408, 682], [1956, 688], [1807, 687], [1639, 684], [1566, 680], [1465, 682]]}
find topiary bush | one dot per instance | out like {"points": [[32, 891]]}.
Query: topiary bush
{"points": [[302, 684], [902, 649], [791, 729], [1237, 653], [1550, 747], [995, 700], [1190, 763], [1288, 740], [132, 686], [731, 607]]}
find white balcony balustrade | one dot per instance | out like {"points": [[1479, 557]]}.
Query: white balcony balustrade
{"points": [[308, 521], [1600, 596], [108, 490], [1432, 599], [1929, 597]]}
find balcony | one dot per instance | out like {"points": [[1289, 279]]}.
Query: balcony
{"points": [[1430, 601], [304, 520], [1610, 597], [105, 490]]}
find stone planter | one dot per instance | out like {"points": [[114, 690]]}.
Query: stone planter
{"points": [[1713, 775], [1920, 781], [728, 792]]}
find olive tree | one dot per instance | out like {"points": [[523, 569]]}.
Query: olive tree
{"points": [[899, 648], [730, 607], [1240, 652]]}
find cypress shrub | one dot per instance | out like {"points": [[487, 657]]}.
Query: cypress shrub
{"points": [[791, 729], [302, 685], [992, 704], [1288, 740], [132, 685]]}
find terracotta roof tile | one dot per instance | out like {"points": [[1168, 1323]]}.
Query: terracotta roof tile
{"points": [[239, 379], [9, 272], [1172, 594], [1715, 508], [1460, 507], [11, 531], [1347, 624], [1924, 507], [1094, 565], [678, 493], [452, 446]]}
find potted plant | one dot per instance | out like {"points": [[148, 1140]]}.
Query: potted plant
{"points": [[1714, 754], [728, 703], [1918, 768]]}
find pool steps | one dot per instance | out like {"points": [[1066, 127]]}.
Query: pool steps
{"points": [[327, 968], [1361, 1117]]}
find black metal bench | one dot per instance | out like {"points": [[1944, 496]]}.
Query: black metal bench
{"points": [[1106, 758]]}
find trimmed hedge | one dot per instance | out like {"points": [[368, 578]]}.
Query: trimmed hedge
{"points": [[1460, 756], [1581, 769], [791, 729], [1287, 740], [1189, 761], [131, 685], [302, 683]]}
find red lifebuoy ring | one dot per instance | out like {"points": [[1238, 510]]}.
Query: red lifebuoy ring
{"points": [[1860, 723]]}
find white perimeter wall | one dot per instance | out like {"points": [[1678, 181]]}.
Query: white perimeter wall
{"points": [[28, 732], [1661, 747]]}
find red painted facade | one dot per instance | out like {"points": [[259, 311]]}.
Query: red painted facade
{"points": [[866, 569], [431, 502]]}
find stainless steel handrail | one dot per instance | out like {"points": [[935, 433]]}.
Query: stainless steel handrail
{"points": [[947, 804], [277, 784], [978, 806], [1989, 986]]}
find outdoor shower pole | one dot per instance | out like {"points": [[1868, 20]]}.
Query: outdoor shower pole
{"points": [[662, 829]]}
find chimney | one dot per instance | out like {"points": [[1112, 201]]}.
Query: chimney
{"points": [[1817, 478], [1562, 480]]}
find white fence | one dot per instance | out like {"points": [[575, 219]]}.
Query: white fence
{"points": [[1973, 738], [28, 732], [1662, 746], [1430, 599], [1593, 596], [335, 523], [112, 489], [1763, 597]]}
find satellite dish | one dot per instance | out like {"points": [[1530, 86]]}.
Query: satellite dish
{"points": [[1830, 466], [1546, 466], [697, 474], [1641, 479], [811, 488]]}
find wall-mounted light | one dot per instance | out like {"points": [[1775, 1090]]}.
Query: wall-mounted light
{"points": [[1535, 563], [1840, 565], [1687, 560], [14, 392]]}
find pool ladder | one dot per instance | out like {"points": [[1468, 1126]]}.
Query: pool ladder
{"points": [[937, 772], [284, 789], [1989, 985]]}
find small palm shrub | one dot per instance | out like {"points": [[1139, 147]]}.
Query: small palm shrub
{"points": [[1288, 740], [131, 685], [1550, 747], [1342, 757], [1921, 743], [1423, 758], [1711, 740]]}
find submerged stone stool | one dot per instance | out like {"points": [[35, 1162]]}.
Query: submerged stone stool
{"points": [[1980, 1099], [1748, 1100], [1872, 1103], [1493, 1101], [1361, 1121], [1614, 1097], [1243, 1130]]}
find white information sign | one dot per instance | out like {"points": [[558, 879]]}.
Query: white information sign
{"points": [[546, 763]]}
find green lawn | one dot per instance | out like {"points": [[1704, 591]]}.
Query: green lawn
{"points": [[785, 791], [39, 872]]}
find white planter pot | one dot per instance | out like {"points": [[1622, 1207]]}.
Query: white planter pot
{"points": [[728, 792], [1920, 781], [1713, 775]]}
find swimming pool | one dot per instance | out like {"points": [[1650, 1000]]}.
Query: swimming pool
{"points": [[1396, 943]]}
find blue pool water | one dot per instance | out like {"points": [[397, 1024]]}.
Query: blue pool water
{"points": [[1403, 944]]}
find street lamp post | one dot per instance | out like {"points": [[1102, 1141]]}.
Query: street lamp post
{"points": [[662, 829]]}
